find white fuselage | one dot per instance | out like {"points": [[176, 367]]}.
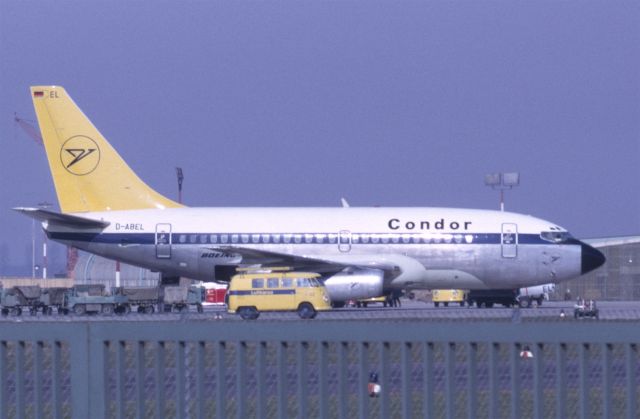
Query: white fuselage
{"points": [[430, 247]]}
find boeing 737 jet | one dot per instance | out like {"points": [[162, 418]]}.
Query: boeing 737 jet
{"points": [[360, 252]]}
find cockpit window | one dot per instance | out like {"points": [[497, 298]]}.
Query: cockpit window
{"points": [[555, 236]]}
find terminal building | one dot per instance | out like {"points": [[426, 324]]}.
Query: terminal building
{"points": [[618, 279]]}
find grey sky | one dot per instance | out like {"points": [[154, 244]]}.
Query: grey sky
{"points": [[300, 103]]}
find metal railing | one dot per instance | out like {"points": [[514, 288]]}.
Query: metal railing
{"points": [[265, 369]]}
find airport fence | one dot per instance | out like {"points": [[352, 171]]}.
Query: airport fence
{"points": [[319, 369]]}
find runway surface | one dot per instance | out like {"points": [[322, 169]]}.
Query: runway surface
{"points": [[410, 310]]}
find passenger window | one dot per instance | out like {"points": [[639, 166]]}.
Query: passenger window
{"points": [[332, 238], [276, 238], [224, 238], [203, 238], [183, 238], [287, 282], [193, 238], [213, 238], [303, 282], [257, 283], [255, 238], [245, 238], [287, 238], [355, 238], [308, 238], [273, 282], [265, 238], [234, 238], [297, 238], [365, 238]]}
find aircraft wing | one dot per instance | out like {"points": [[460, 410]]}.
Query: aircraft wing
{"points": [[327, 265], [402, 271], [611, 241], [57, 218]]}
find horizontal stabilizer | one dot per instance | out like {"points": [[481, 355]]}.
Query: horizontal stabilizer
{"points": [[62, 219]]}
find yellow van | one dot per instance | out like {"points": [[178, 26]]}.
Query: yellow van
{"points": [[252, 292], [448, 296]]}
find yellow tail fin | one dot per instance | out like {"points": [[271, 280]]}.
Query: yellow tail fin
{"points": [[89, 175]]}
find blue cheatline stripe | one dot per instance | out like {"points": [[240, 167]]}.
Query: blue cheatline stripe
{"points": [[239, 239], [262, 292]]}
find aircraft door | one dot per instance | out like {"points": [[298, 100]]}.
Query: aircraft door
{"points": [[344, 241], [163, 241], [509, 240]]}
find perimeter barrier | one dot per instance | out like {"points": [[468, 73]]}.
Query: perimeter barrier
{"points": [[319, 369]]}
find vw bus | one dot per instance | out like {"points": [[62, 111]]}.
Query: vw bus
{"points": [[251, 292]]}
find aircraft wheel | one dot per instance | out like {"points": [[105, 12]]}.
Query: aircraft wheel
{"points": [[79, 309], [149, 310], [107, 309]]}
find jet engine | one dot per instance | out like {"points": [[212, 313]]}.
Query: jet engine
{"points": [[354, 284]]}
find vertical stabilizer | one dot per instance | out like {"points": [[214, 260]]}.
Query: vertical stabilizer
{"points": [[89, 174]]}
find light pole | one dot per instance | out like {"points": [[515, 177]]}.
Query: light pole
{"points": [[33, 248], [44, 205], [180, 179], [502, 181]]}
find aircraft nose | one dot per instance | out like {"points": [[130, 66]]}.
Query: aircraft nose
{"points": [[592, 258]]}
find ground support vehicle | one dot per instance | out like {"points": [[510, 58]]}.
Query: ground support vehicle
{"points": [[487, 298], [584, 309], [215, 293], [54, 298], [365, 302], [144, 300], [179, 298], [523, 297], [12, 301], [17, 299], [277, 290], [81, 301], [446, 297], [529, 296]]}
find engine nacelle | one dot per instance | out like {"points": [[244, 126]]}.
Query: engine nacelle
{"points": [[355, 284]]}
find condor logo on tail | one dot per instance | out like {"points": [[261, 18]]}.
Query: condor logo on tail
{"points": [[80, 155]]}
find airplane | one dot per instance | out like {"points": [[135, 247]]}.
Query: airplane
{"points": [[107, 210]]}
